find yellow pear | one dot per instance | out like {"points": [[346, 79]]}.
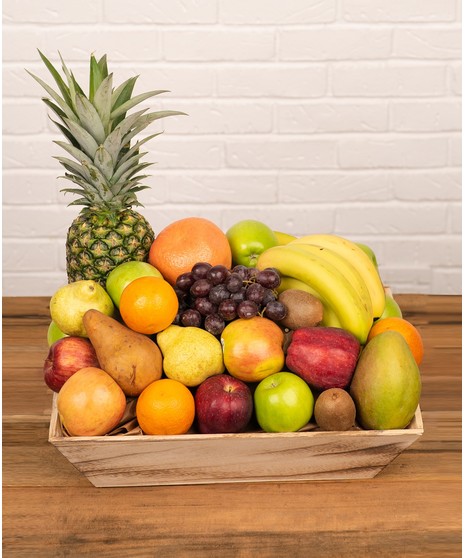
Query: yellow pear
{"points": [[70, 302], [190, 354]]}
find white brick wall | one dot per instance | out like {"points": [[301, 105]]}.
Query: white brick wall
{"points": [[339, 116]]}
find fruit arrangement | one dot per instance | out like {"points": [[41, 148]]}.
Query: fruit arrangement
{"points": [[198, 330]]}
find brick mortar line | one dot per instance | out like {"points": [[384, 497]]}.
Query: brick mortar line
{"points": [[187, 137], [374, 237], [169, 205], [277, 101], [339, 24], [238, 172], [33, 64]]}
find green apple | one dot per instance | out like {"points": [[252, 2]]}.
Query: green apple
{"points": [[392, 309], [369, 252], [120, 277], [283, 403], [54, 333], [248, 239]]}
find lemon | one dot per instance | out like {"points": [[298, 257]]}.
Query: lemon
{"points": [[69, 304], [190, 354]]}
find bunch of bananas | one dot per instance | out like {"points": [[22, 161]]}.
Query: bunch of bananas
{"points": [[335, 270]]}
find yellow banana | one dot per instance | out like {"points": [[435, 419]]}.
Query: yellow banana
{"points": [[330, 318], [325, 279], [358, 258], [363, 299], [346, 268], [284, 238]]}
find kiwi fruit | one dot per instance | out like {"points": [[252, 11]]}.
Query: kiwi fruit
{"points": [[334, 410], [303, 309]]}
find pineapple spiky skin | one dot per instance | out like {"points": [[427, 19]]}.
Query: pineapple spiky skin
{"points": [[99, 241], [105, 168]]}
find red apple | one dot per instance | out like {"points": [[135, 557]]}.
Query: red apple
{"points": [[223, 404], [90, 403], [253, 348], [325, 357], [65, 357]]}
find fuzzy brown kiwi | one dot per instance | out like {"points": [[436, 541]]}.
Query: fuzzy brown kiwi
{"points": [[303, 309], [334, 410]]}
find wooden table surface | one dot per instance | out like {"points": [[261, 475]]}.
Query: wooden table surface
{"points": [[412, 508]]}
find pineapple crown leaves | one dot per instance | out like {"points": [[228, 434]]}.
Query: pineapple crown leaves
{"points": [[99, 132]]}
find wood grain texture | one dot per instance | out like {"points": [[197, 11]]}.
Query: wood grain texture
{"points": [[411, 509], [248, 457]]}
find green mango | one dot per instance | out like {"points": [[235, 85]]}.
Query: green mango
{"points": [[386, 385]]}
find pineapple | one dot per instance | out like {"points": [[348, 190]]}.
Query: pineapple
{"points": [[104, 169]]}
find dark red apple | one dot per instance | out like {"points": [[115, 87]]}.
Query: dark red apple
{"points": [[325, 357], [65, 357], [223, 404]]}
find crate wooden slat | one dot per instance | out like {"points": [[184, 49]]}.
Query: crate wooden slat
{"points": [[223, 458]]}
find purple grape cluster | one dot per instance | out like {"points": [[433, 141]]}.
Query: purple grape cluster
{"points": [[210, 296]]}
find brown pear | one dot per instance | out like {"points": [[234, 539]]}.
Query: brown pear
{"points": [[132, 359]]}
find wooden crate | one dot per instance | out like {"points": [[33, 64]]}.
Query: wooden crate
{"points": [[141, 460]]}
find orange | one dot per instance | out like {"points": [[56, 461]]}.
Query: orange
{"points": [[148, 305], [165, 407], [186, 242], [406, 329]]}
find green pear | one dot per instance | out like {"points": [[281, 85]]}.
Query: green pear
{"points": [[386, 385], [369, 252], [392, 309], [70, 302], [54, 333]]}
